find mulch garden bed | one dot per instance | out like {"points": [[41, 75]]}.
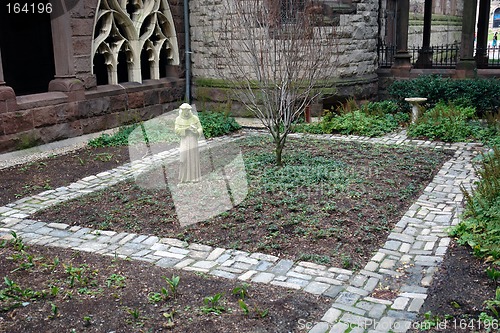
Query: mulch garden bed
{"points": [[457, 294], [333, 203], [90, 293]]}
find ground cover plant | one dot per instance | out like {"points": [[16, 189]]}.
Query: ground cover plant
{"points": [[456, 122], [44, 289], [371, 119], [332, 203]]}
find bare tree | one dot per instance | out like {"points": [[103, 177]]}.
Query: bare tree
{"points": [[276, 56]]}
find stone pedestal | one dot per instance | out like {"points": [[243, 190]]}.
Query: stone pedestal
{"points": [[7, 99], [71, 86], [415, 103], [402, 65]]}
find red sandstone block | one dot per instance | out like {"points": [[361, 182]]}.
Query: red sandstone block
{"points": [[15, 122], [44, 116], [151, 97], [8, 143], [118, 103], [3, 107], [7, 93], [136, 100], [92, 125]]}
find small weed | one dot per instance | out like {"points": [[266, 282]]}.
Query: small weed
{"points": [[135, 313], [170, 318], [17, 241], [155, 297], [346, 261], [243, 306], [430, 320], [316, 258], [87, 321], [241, 291], [54, 310], [173, 283], [212, 304], [494, 304], [54, 291], [116, 280], [493, 273]]}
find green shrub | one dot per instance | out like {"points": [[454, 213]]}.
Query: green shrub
{"points": [[214, 124], [217, 124], [446, 122], [481, 225], [380, 108], [372, 119], [360, 123], [119, 138], [484, 94]]}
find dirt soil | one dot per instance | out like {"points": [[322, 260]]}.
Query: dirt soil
{"points": [[49, 173], [458, 293], [90, 293]]}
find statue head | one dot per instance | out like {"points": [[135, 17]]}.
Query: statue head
{"points": [[185, 110]]}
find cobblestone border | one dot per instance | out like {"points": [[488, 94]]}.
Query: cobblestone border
{"points": [[407, 261]]}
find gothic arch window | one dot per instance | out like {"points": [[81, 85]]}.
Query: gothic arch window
{"points": [[132, 38]]}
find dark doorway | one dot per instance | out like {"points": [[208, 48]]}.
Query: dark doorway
{"points": [[27, 53]]}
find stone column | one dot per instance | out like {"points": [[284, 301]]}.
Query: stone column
{"points": [[2, 82], [402, 64], [425, 53], [65, 79], [7, 95], [467, 64], [482, 33]]}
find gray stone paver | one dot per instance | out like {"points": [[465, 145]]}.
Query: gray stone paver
{"points": [[418, 240]]}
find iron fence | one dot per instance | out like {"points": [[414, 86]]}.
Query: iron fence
{"points": [[441, 56]]}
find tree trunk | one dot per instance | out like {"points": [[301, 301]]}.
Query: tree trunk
{"points": [[279, 150]]}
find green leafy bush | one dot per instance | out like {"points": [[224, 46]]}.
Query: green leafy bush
{"points": [[360, 123], [380, 108], [372, 119], [484, 94], [119, 138], [446, 122], [481, 225], [214, 124], [217, 124]]}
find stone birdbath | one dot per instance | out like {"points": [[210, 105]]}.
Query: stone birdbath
{"points": [[415, 103]]}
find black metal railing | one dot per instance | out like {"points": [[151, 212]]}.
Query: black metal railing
{"points": [[489, 57], [386, 55], [441, 56]]}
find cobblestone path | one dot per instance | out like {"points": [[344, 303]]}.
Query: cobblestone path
{"points": [[406, 263]]}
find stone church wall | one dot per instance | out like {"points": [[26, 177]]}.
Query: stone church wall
{"points": [[354, 75]]}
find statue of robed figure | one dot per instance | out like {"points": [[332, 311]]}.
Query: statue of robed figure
{"points": [[188, 127]]}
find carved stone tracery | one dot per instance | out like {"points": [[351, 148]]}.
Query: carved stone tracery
{"points": [[132, 27]]}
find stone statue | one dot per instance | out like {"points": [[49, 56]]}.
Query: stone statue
{"points": [[188, 127]]}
